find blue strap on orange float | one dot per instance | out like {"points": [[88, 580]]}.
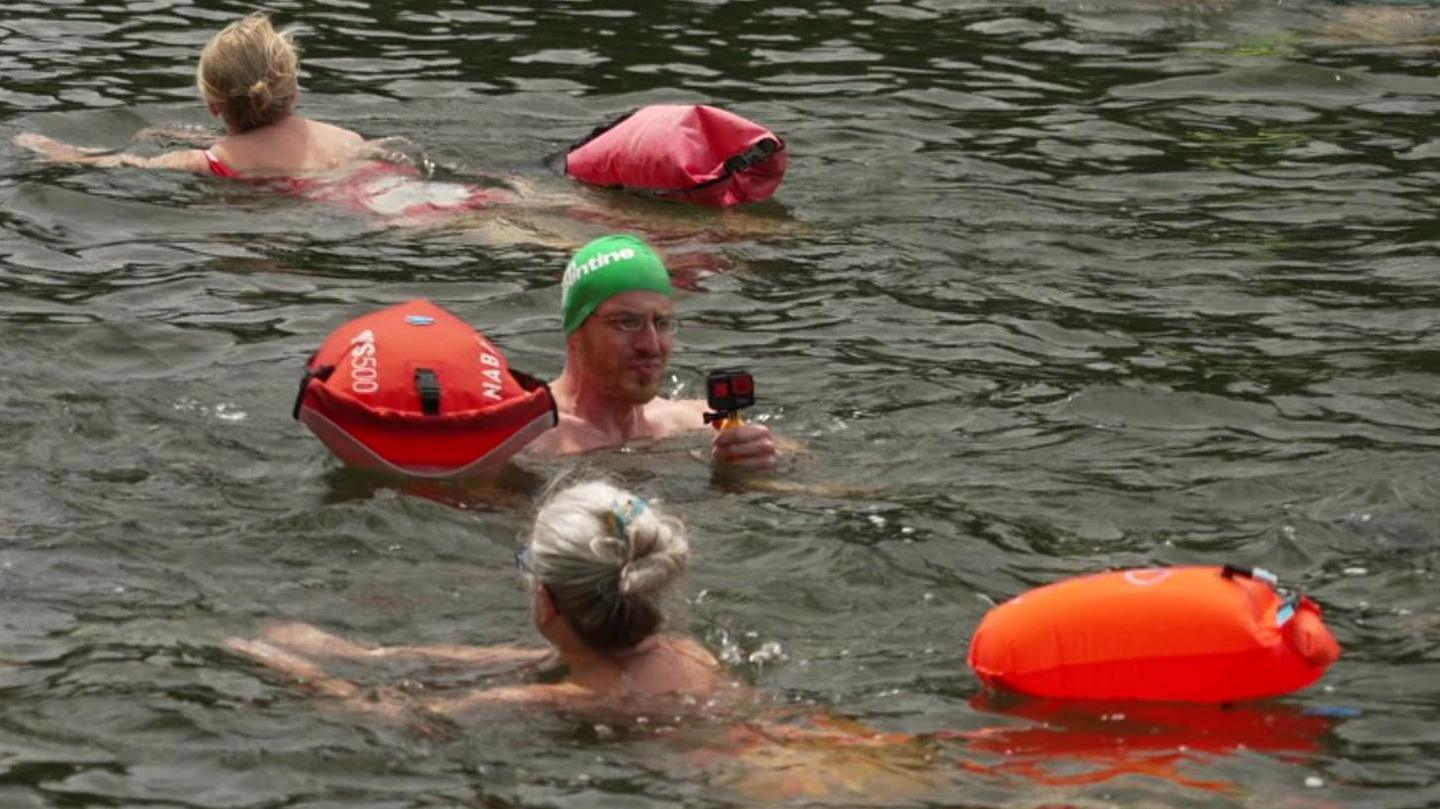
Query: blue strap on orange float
{"points": [[1286, 611]]}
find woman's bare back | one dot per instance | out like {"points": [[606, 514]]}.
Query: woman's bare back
{"points": [[669, 664], [291, 146]]}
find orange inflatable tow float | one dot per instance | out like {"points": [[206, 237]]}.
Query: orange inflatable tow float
{"points": [[415, 390], [1185, 634]]}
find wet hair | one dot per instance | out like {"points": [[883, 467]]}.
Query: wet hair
{"points": [[251, 71], [606, 558]]}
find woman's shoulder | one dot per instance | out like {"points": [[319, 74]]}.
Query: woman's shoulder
{"points": [[295, 145], [337, 134], [193, 160], [690, 649], [674, 665]]}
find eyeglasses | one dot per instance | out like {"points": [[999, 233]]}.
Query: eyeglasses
{"points": [[631, 322]]}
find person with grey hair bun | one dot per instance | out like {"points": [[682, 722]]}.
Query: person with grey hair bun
{"points": [[599, 560]]}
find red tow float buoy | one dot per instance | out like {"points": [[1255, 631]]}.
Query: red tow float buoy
{"points": [[688, 152], [1185, 634], [415, 390]]}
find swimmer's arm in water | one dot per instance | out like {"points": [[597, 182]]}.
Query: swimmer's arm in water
{"points": [[310, 640], [54, 151], [304, 671], [538, 694], [388, 702], [197, 136]]}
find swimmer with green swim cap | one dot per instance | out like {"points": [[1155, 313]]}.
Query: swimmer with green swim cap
{"points": [[618, 310], [604, 268]]}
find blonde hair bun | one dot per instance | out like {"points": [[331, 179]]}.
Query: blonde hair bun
{"points": [[251, 71]]}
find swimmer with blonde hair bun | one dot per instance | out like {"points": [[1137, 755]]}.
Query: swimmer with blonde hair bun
{"points": [[249, 77], [599, 561], [249, 74]]}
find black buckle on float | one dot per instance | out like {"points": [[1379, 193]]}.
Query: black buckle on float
{"points": [[1257, 573], [427, 384]]}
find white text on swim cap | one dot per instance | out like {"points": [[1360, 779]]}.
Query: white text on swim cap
{"points": [[574, 272]]}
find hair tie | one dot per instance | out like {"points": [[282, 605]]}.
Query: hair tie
{"points": [[621, 516]]}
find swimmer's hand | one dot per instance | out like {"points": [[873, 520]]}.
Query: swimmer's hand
{"points": [[749, 446], [396, 149], [55, 151]]}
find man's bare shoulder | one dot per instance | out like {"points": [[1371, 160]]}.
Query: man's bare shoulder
{"points": [[662, 418], [570, 435], [668, 416]]}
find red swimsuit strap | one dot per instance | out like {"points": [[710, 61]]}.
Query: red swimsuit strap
{"points": [[218, 167]]}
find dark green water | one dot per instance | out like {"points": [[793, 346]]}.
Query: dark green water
{"points": [[1067, 286]]}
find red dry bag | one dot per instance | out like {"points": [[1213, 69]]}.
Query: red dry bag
{"points": [[687, 152], [414, 389]]}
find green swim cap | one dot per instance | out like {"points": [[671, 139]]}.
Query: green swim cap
{"points": [[603, 269]]}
